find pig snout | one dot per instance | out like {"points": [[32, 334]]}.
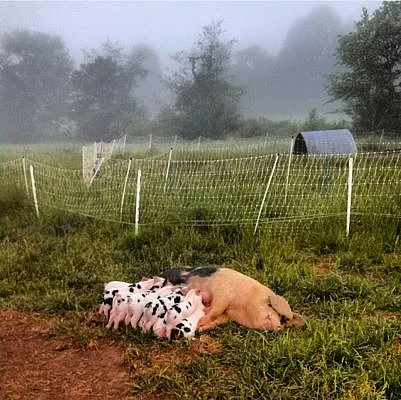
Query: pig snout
{"points": [[274, 321], [175, 334]]}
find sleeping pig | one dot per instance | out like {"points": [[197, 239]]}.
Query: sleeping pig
{"points": [[231, 295]]}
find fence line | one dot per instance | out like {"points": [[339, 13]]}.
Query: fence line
{"points": [[227, 191]]}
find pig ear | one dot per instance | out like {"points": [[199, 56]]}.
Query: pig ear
{"points": [[144, 278], [281, 305]]}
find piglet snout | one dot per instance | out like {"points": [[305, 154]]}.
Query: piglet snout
{"points": [[175, 334]]}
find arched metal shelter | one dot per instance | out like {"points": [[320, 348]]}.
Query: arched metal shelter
{"points": [[336, 141]]}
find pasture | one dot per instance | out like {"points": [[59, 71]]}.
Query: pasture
{"points": [[347, 287]]}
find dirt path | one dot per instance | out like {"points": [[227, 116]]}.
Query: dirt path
{"points": [[32, 366]]}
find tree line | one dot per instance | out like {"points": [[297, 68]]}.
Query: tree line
{"points": [[216, 92]]}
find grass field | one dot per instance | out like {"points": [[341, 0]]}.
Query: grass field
{"points": [[347, 289]]}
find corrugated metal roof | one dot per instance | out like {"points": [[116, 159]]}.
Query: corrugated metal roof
{"points": [[336, 141]]}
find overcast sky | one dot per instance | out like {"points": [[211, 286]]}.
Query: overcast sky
{"points": [[169, 26]]}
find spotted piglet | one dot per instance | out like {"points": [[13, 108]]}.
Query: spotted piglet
{"points": [[156, 309], [138, 302], [125, 288], [183, 318], [110, 291], [185, 308], [155, 313], [187, 327], [119, 310]]}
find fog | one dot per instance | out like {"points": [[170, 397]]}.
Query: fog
{"points": [[168, 26], [280, 56]]}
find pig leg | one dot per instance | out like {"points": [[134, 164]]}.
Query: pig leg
{"points": [[111, 320], [147, 326], [216, 311], [117, 319], [207, 322], [128, 317], [136, 317]]}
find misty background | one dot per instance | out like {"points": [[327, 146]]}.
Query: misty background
{"points": [[282, 52]]}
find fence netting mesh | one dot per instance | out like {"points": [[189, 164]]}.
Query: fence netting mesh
{"points": [[282, 192]]}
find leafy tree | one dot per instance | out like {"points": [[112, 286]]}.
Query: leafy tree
{"points": [[35, 70], [207, 103], [371, 84], [104, 105]]}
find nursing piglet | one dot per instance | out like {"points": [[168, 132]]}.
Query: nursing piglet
{"points": [[138, 302], [114, 287], [156, 309], [187, 327]]}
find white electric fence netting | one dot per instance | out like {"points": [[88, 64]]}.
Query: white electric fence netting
{"points": [[283, 191]]}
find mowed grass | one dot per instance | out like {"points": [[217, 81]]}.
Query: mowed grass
{"points": [[348, 290]]}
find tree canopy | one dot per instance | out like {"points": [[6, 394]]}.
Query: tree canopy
{"points": [[207, 103], [103, 92], [370, 86], [35, 70]]}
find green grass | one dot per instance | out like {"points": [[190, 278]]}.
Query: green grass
{"points": [[348, 289], [349, 349]]}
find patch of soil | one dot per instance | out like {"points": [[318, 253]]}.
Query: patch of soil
{"points": [[32, 366]]}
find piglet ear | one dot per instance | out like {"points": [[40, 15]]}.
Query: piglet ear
{"points": [[144, 278], [281, 305]]}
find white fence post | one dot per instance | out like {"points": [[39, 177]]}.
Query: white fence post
{"points": [[264, 196], [168, 169], [25, 176], [138, 200], [288, 168], [125, 188], [35, 199], [150, 142], [97, 170], [351, 166]]}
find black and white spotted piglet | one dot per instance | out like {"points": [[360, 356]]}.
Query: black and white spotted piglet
{"points": [[182, 319], [155, 312], [187, 327], [111, 289], [129, 307]]}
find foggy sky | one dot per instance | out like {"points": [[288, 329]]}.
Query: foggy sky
{"points": [[167, 26]]}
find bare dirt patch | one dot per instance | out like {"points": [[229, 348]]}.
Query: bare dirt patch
{"points": [[34, 365]]}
